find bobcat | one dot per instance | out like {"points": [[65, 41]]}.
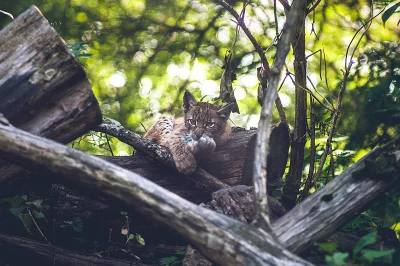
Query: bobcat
{"points": [[203, 127]]}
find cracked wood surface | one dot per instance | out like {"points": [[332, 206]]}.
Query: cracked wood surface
{"points": [[43, 89]]}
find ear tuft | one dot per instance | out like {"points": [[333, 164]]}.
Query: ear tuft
{"points": [[188, 101], [225, 111]]}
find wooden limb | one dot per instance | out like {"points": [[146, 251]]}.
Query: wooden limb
{"points": [[222, 239], [341, 199], [299, 137], [11, 248], [43, 89], [271, 92], [313, 151], [231, 163], [200, 178]]}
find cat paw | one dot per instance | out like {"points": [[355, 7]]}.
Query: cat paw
{"points": [[206, 143], [185, 163]]}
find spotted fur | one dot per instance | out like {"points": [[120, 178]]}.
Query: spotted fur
{"points": [[203, 127]]}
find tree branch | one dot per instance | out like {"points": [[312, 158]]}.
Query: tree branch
{"points": [[261, 148], [200, 178], [341, 199]]}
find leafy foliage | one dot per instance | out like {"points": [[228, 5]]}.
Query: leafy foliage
{"points": [[368, 256], [26, 211]]}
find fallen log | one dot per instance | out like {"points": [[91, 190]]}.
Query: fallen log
{"points": [[341, 199], [43, 89], [11, 248], [231, 163], [219, 238]]}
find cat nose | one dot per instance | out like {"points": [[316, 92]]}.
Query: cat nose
{"points": [[197, 135]]}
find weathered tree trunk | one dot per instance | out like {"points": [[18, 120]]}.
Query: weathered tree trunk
{"points": [[219, 238], [43, 89], [11, 248]]}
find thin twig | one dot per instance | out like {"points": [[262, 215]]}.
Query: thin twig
{"points": [[326, 74], [333, 125], [240, 22], [366, 26], [329, 108], [109, 146], [340, 97], [276, 22], [311, 9], [313, 152], [261, 148], [332, 165], [37, 227]]}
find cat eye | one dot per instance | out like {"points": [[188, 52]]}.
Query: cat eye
{"points": [[192, 122], [210, 124]]}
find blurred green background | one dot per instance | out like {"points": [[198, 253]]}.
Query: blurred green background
{"points": [[142, 55]]}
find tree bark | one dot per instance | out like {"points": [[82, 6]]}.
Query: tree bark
{"points": [[220, 238], [293, 179], [43, 89]]}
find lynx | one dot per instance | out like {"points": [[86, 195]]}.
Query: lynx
{"points": [[203, 127]]}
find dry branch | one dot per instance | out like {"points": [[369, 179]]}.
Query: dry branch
{"points": [[298, 140], [271, 92], [221, 239], [200, 178], [341, 199]]}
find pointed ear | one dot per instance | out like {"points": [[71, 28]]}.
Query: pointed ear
{"points": [[188, 101], [225, 111]]}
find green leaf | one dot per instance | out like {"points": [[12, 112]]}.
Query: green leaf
{"points": [[38, 215], [339, 258], [130, 237], [328, 247], [388, 13], [26, 221], [140, 240], [168, 260], [14, 201], [372, 255], [363, 242], [124, 213], [17, 210], [35, 203]]}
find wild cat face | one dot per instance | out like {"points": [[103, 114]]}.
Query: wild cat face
{"points": [[204, 119]]}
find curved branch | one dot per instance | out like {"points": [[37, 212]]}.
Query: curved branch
{"points": [[200, 178]]}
